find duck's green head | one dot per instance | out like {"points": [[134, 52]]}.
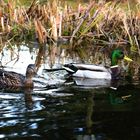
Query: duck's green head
{"points": [[115, 56]]}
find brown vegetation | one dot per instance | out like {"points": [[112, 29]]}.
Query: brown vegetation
{"points": [[103, 24]]}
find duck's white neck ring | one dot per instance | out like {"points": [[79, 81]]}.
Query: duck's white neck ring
{"points": [[115, 66]]}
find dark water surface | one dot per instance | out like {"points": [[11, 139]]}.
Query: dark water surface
{"points": [[73, 113], [67, 111]]}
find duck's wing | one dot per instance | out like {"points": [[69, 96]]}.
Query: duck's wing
{"points": [[91, 67], [11, 79]]}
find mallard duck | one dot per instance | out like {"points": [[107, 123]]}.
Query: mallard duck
{"points": [[9, 79], [97, 71]]}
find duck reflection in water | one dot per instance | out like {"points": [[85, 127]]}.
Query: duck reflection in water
{"points": [[28, 97], [96, 83]]}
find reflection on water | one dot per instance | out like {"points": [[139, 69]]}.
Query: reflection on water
{"points": [[80, 113], [72, 110]]}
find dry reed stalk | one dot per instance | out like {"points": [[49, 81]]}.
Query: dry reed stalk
{"points": [[21, 16], [66, 26], [54, 28], [15, 16], [11, 7], [41, 31], [40, 56], [60, 24], [46, 16], [81, 22], [126, 27], [32, 7], [1, 44], [138, 47], [2, 24], [55, 17]]}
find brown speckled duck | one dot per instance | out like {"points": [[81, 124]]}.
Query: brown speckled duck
{"points": [[16, 81]]}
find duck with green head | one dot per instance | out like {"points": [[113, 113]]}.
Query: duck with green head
{"points": [[97, 71]]}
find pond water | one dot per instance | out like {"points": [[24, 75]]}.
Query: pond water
{"points": [[67, 111]]}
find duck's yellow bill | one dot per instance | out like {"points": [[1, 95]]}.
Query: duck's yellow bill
{"points": [[127, 58]]}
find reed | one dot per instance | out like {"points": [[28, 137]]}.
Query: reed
{"points": [[102, 24]]}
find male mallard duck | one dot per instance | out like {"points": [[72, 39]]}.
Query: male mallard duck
{"points": [[96, 71], [9, 79]]}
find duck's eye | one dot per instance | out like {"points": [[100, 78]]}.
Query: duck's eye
{"points": [[121, 52]]}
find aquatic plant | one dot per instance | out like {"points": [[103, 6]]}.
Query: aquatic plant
{"points": [[93, 23]]}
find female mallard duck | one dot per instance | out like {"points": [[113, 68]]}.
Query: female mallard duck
{"points": [[95, 71], [9, 79]]}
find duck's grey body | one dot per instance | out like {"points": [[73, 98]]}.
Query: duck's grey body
{"points": [[88, 71]]}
